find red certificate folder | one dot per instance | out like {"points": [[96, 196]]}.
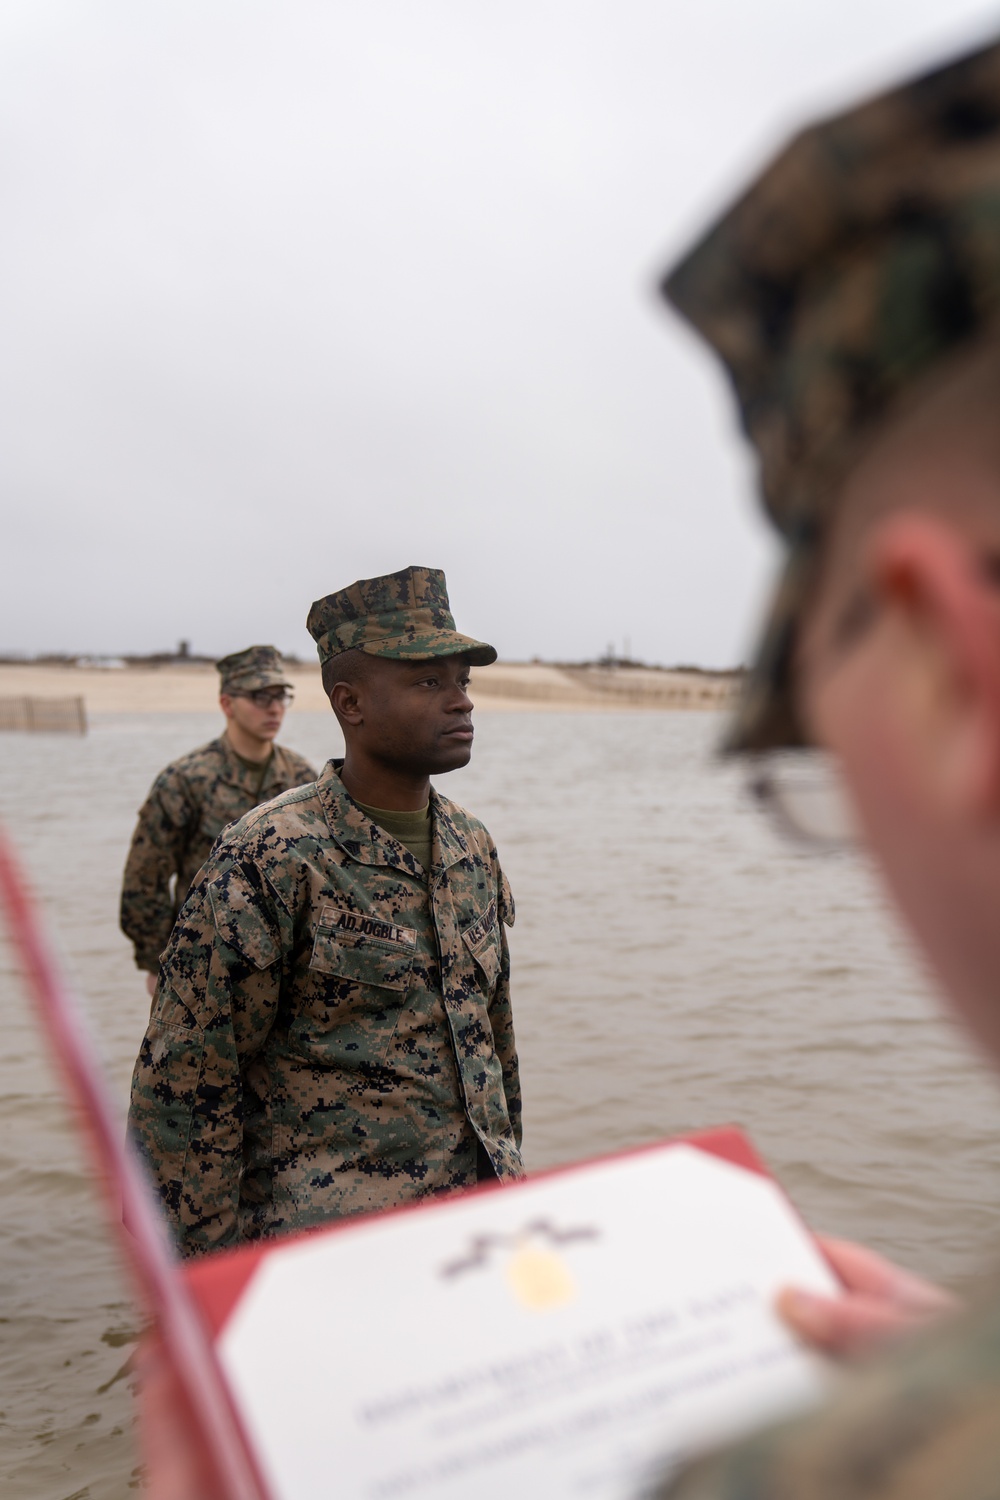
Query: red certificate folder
{"points": [[568, 1335]]}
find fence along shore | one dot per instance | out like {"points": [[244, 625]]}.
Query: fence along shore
{"points": [[32, 714]]}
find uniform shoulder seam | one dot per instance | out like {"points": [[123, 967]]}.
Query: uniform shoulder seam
{"points": [[267, 809], [466, 821], [296, 793]]}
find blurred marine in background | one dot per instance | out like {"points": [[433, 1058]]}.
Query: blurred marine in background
{"points": [[853, 294], [194, 798]]}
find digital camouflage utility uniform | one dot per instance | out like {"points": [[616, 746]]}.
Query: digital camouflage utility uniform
{"points": [[332, 1029], [189, 804], [835, 290]]}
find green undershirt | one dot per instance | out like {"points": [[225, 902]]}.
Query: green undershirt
{"points": [[412, 829], [257, 768]]}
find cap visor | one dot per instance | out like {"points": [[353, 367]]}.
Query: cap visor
{"points": [[431, 643]]}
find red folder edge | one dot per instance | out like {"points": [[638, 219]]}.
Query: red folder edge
{"points": [[232, 1470]]}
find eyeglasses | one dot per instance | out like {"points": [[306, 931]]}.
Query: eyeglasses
{"points": [[802, 791], [803, 794], [264, 697]]}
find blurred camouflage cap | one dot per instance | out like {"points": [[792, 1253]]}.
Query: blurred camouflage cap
{"points": [[403, 615], [865, 255], [256, 667]]}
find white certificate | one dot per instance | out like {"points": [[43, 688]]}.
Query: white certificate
{"points": [[572, 1336]]}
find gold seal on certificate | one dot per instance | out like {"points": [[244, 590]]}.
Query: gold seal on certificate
{"points": [[536, 1272], [539, 1278]]}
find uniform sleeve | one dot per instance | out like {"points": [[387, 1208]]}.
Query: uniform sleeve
{"points": [[501, 1014], [157, 850], [214, 1006], [918, 1423]]}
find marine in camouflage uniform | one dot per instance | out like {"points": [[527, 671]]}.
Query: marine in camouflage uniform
{"points": [[332, 1030], [190, 803], [865, 257]]}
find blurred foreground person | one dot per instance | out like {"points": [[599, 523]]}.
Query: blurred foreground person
{"points": [[194, 798], [332, 1032], [854, 296]]}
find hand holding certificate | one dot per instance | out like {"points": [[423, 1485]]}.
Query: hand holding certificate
{"points": [[877, 1301]]}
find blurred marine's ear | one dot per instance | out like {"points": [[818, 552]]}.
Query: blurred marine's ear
{"points": [[943, 608]]}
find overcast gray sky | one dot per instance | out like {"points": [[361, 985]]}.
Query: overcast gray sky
{"points": [[299, 291]]}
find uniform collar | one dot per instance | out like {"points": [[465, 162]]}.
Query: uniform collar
{"points": [[369, 844]]}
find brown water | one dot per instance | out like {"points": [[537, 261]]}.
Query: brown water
{"points": [[674, 966]]}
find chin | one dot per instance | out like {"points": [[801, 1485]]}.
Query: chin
{"points": [[451, 759]]}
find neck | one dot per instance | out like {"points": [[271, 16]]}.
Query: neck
{"points": [[384, 786], [250, 746]]}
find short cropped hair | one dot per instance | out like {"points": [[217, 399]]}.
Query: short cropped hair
{"points": [[347, 666]]}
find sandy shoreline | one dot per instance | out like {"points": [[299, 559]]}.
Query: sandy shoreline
{"points": [[505, 687]]}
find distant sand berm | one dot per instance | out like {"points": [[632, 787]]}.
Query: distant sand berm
{"points": [[505, 687]]}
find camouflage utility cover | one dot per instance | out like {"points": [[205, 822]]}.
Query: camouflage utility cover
{"points": [[921, 1425], [404, 615], [256, 667], [188, 806], [332, 1029], [861, 259]]}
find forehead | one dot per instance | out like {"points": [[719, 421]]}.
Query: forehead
{"points": [[405, 670]]}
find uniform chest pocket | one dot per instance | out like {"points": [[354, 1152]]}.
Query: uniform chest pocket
{"points": [[482, 939], [362, 960]]}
